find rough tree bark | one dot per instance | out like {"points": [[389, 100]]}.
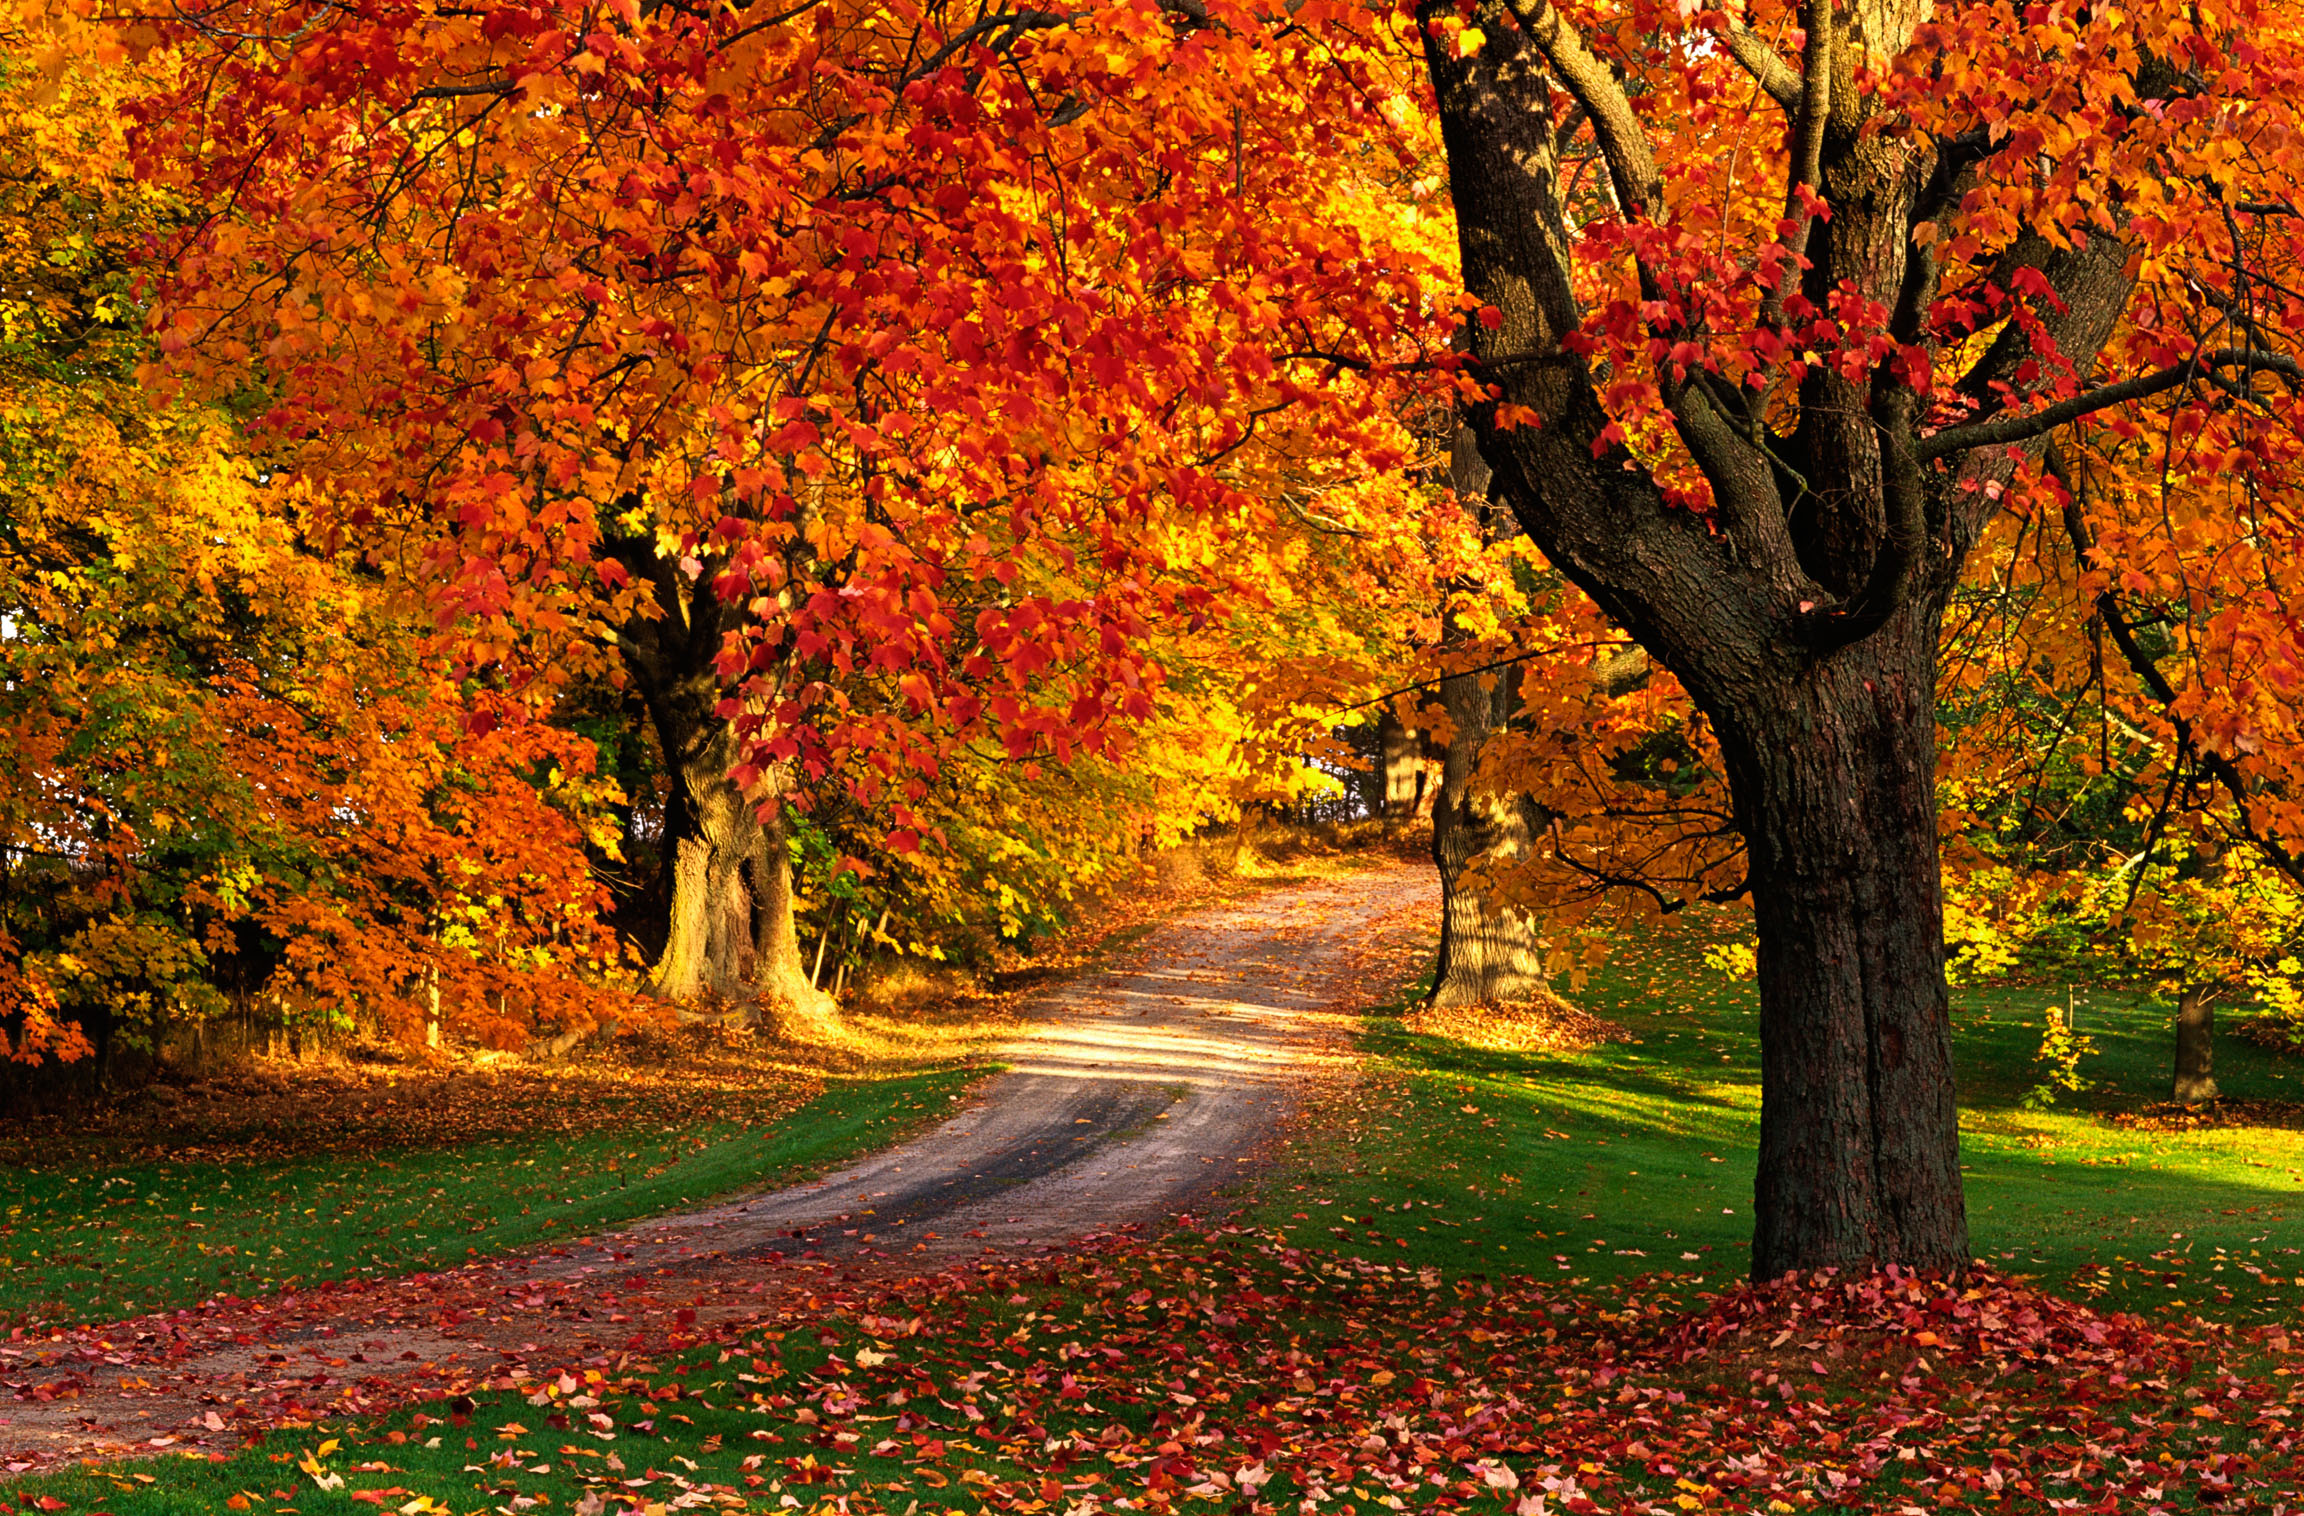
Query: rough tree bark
{"points": [[1802, 615], [2195, 1045], [731, 931], [1488, 952]]}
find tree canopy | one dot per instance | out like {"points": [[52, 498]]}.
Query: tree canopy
{"points": [[521, 506]]}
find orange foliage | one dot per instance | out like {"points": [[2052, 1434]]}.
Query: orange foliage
{"points": [[960, 350], [231, 770]]}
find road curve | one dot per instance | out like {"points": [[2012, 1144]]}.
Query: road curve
{"points": [[1130, 1096]]}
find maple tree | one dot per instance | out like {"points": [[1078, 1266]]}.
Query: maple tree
{"points": [[1489, 950], [639, 598], [862, 383], [235, 776], [1759, 389], [1567, 785], [765, 354]]}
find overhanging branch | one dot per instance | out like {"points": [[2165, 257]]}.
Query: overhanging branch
{"points": [[2002, 430]]}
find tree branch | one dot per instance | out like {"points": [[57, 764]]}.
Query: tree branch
{"points": [[1813, 110], [502, 85], [1759, 60], [1903, 548], [1613, 681], [1631, 162], [2006, 429]]}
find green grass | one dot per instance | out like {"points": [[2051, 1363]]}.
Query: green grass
{"points": [[1627, 1159], [87, 1242]]}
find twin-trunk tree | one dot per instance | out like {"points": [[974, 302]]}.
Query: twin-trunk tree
{"points": [[1800, 603], [728, 889]]}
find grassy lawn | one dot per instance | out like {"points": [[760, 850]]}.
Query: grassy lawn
{"points": [[1636, 1157], [259, 1182], [90, 1241]]}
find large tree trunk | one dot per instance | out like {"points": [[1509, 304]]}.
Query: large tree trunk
{"points": [[1799, 606], [1488, 951], [730, 931], [2195, 1046], [1406, 764], [1835, 791], [708, 944], [797, 1007]]}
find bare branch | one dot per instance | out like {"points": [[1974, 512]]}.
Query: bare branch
{"points": [[764, 23], [1614, 674], [502, 85], [1005, 28]]}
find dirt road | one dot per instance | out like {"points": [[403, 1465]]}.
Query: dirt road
{"points": [[1134, 1096]]}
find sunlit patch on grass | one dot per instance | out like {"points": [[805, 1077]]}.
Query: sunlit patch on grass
{"points": [[1615, 1160]]}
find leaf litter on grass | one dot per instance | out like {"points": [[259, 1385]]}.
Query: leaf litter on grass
{"points": [[278, 1110], [1229, 1370]]}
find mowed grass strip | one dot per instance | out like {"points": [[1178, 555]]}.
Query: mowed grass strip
{"points": [[84, 1243], [1635, 1158]]}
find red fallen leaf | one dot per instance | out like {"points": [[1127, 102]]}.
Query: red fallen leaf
{"points": [[50, 1503]]}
